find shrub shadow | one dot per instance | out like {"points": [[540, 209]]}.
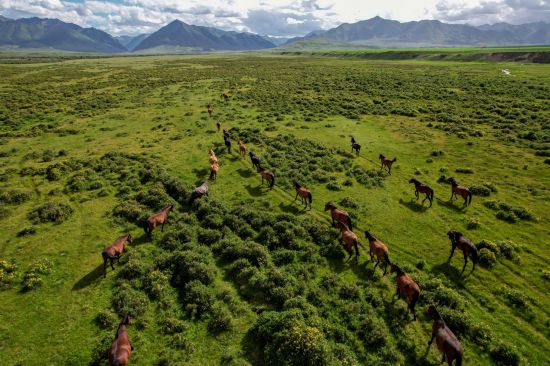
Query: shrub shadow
{"points": [[90, 278]]}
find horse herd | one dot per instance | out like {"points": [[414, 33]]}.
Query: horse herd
{"points": [[446, 341]]}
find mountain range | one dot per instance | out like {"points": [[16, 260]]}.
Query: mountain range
{"points": [[178, 36]]}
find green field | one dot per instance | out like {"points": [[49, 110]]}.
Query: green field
{"points": [[89, 148]]}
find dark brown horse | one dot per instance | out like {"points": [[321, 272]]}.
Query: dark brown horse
{"points": [[256, 161], [446, 341], [214, 170], [199, 192], [386, 163], [114, 251], [227, 142], [225, 96], [210, 110], [379, 249], [268, 176], [339, 215], [121, 348], [218, 125], [457, 189], [406, 286], [157, 219], [303, 193], [355, 146], [468, 248], [349, 240], [422, 188], [242, 149], [226, 135]]}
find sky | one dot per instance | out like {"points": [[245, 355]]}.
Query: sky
{"points": [[278, 18]]}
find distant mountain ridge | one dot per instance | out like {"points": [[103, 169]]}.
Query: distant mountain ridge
{"points": [[131, 42], [379, 31]]}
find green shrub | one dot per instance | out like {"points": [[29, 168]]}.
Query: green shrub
{"points": [[51, 212], [8, 272], [464, 170], [545, 275], [127, 300], [480, 190], [26, 231], [32, 279], [334, 186], [473, 224], [506, 216], [505, 354], [181, 342], [507, 248], [156, 284], [208, 236], [349, 202], [105, 319], [220, 319], [14, 196], [172, 326], [130, 210], [199, 296], [486, 258], [489, 245]]}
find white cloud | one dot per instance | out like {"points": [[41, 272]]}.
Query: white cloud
{"points": [[273, 17]]}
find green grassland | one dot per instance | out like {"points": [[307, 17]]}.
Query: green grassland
{"points": [[91, 147]]}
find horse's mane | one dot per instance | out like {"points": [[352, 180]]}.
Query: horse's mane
{"points": [[399, 270], [381, 156]]}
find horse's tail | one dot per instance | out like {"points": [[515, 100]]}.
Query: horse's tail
{"points": [[474, 256], [387, 258], [458, 360], [356, 246], [414, 299], [349, 223], [469, 198], [394, 160], [272, 182], [212, 173], [310, 197], [146, 227], [105, 257]]}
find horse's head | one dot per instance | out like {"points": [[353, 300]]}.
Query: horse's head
{"points": [[453, 235], [381, 157], [369, 236], [395, 268], [127, 320], [129, 238], [452, 181], [296, 184], [340, 225], [432, 313], [329, 206], [412, 180]]}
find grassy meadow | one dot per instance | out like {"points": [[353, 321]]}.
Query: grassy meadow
{"points": [[90, 147]]}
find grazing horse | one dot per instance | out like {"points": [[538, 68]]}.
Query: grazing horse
{"points": [[157, 219], [225, 96], [114, 251], [406, 286], [422, 188], [463, 243], [214, 170], [218, 125], [379, 249], [461, 190], [227, 142], [349, 240], [386, 162], [256, 161], [121, 349], [242, 149], [339, 215], [200, 191], [446, 341], [213, 159], [268, 176], [210, 110], [355, 146], [226, 135], [304, 193], [353, 140]]}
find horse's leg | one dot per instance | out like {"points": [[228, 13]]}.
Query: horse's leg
{"points": [[465, 262], [424, 199], [295, 198], [370, 254], [452, 252], [118, 258], [443, 360], [111, 260], [377, 262], [162, 227], [431, 340], [385, 267]]}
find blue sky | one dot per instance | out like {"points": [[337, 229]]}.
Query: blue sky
{"points": [[282, 18]]}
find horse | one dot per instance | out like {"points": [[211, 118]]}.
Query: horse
{"points": [[157, 219], [304, 193], [225, 96], [386, 162], [422, 188], [379, 249], [461, 190], [463, 243], [242, 149], [355, 146], [121, 348], [268, 176], [213, 159], [349, 240], [114, 251], [446, 341], [218, 125], [256, 161], [199, 192], [214, 170], [338, 215], [353, 140], [227, 142], [406, 286], [210, 110], [226, 135]]}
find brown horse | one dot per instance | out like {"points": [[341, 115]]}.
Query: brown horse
{"points": [[157, 219], [406, 286], [338, 215], [379, 249], [214, 170], [218, 125], [304, 193], [227, 142], [256, 161], [463, 243], [349, 240], [242, 149], [457, 189], [121, 348], [422, 188], [210, 110], [199, 192], [114, 251], [386, 162], [446, 341], [225, 96], [268, 176]]}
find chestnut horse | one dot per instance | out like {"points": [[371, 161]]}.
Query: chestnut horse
{"points": [[200, 191], [406, 286], [349, 240], [210, 110], [256, 161], [213, 159], [304, 193], [268, 176], [114, 251], [218, 125], [446, 341], [214, 170], [379, 249], [422, 188], [463, 243], [386, 162], [242, 149], [121, 348], [339, 215], [461, 190], [157, 219]]}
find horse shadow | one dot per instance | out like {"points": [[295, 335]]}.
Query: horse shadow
{"points": [[254, 191], [143, 239], [450, 205], [201, 173], [233, 158], [452, 272], [245, 173], [88, 279], [291, 208], [413, 205]]}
